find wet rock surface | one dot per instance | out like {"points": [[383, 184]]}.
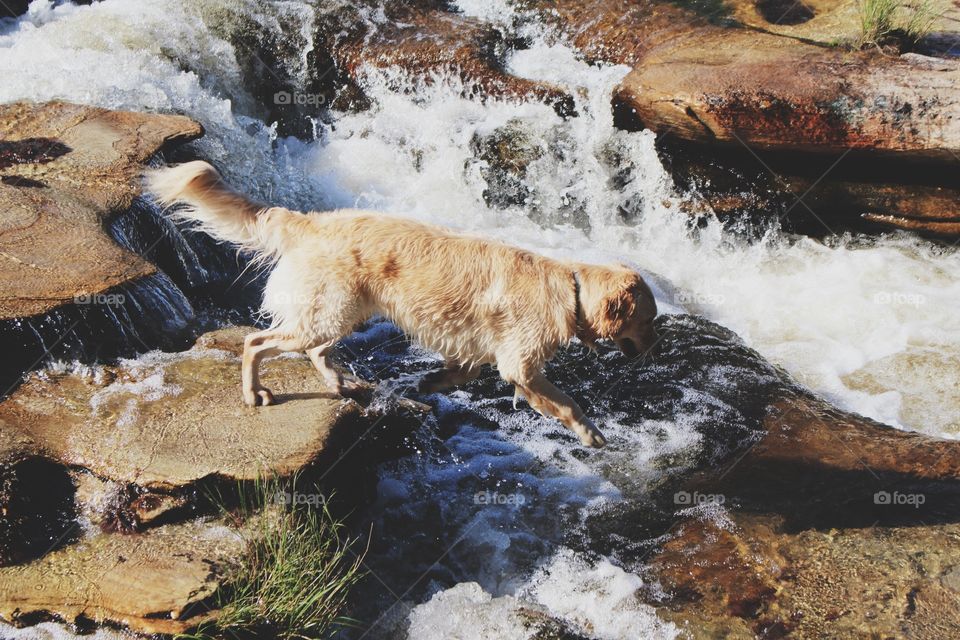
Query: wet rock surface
{"points": [[154, 582], [747, 576], [167, 421], [746, 528], [791, 518], [426, 40], [66, 169]]}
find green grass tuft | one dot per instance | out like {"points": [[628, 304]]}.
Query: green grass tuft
{"points": [[885, 22], [923, 19], [293, 579], [876, 20]]}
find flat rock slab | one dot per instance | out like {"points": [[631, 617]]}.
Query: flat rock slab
{"points": [[166, 421], [731, 88], [148, 582], [64, 169]]}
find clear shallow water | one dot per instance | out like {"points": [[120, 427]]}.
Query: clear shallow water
{"points": [[870, 323]]}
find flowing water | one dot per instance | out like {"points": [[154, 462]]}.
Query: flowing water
{"points": [[870, 323]]}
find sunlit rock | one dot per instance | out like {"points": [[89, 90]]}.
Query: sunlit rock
{"points": [[166, 421], [64, 169], [153, 582]]}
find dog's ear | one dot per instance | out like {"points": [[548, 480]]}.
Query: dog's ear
{"points": [[617, 307]]}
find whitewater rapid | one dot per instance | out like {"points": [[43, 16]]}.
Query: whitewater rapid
{"points": [[871, 324]]}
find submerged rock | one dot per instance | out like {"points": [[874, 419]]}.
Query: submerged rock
{"points": [[64, 170], [744, 575]]}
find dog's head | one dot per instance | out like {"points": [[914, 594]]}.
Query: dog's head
{"points": [[617, 305]]}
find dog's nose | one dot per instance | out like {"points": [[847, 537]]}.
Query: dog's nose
{"points": [[628, 347]]}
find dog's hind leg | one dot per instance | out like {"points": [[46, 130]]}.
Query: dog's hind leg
{"points": [[256, 347], [550, 401], [451, 375]]}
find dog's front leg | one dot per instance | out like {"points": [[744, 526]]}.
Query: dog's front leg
{"points": [[452, 375], [550, 401]]}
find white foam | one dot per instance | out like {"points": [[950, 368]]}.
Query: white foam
{"points": [[467, 612], [599, 599]]}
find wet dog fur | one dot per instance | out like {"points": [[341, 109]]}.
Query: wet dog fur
{"points": [[475, 301]]}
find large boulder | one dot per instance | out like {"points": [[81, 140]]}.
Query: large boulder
{"points": [[775, 89], [64, 170]]}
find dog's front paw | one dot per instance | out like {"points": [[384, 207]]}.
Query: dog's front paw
{"points": [[593, 439], [258, 396]]}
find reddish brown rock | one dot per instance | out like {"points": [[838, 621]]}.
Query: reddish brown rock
{"points": [[425, 40], [874, 582], [830, 102], [699, 76]]}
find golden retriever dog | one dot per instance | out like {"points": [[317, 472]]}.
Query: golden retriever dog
{"points": [[475, 301]]}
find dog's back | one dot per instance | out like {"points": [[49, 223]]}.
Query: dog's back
{"points": [[457, 294]]}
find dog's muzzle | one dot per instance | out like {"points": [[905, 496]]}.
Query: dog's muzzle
{"points": [[628, 347]]}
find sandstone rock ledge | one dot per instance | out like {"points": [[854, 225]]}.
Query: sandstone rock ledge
{"points": [[785, 93], [152, 582], [166, 421], [64, 168]]}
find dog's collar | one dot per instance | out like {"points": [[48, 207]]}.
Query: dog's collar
{"points": [[576, 303]]}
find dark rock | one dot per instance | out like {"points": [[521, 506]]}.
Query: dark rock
{"points": [[13, 8]]}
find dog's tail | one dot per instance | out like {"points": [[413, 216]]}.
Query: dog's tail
{"points": [[222, 212]]}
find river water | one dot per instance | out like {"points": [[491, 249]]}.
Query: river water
{"points": [[872, 324]]}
